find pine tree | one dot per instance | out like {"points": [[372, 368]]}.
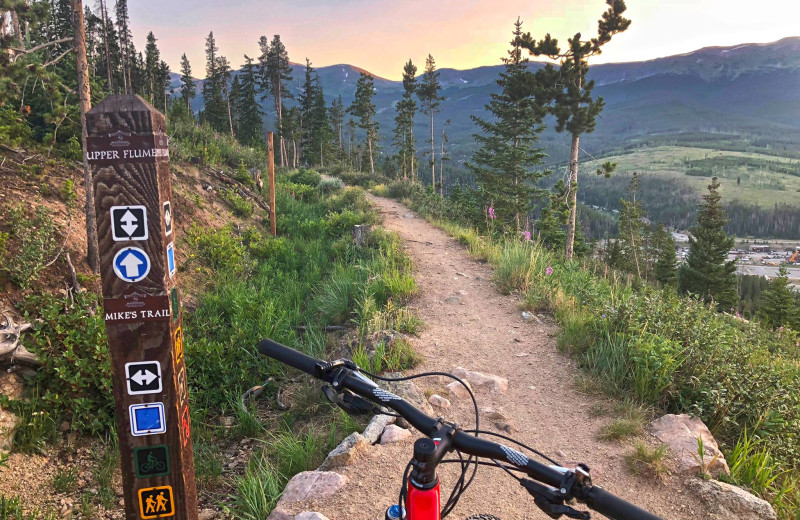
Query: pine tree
{"points": [[336, 113], [275, 70], [633, 233], [248, 112], [364, 109], [551, 225], [507, 165], [188, 88], [151, 63], [665, 271], [320, 132], [404, 122], [234, 101], [780, 305], [214, 111], [707, 272], [428, 93], [571, 95], [125, 43], [306, 102]]}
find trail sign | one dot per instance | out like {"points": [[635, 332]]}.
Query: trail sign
{"points": [[143, 378], [131, 264], [129, 223], [128, 154]]}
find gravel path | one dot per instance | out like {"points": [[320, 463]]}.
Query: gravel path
{"points": [[483, 331]]}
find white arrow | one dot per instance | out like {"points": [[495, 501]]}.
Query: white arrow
{"points": [[143, 377], [129, 223], [131, 265]]}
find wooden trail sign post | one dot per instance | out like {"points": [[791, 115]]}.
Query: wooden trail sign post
{"points": [[129, 158]]}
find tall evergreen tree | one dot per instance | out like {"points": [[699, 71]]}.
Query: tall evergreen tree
{"points": [[214, 111], [125, 43], [707, 272], [404, 122], [188, 88], [507, 164], [336, 113], [780, 305], [106, 46], [235, 103], [248, 111], [151, 63], [551, 226], [571, 94], [665, 270], [320, 132], [364, 109], [306, 104], [275, 71], [428, 93], [633, 232]]}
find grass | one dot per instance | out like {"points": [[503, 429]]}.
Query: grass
{"points": [[65, 479], [11, 508], [258, 490], [647, 461]]}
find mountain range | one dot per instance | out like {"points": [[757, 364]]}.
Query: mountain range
{"points": [[747, 96]]}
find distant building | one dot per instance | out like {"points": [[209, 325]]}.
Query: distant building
{"points": [[760, 249]]}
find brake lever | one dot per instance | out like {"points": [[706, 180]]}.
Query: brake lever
{"points": [[348, 401], [548, 500]]}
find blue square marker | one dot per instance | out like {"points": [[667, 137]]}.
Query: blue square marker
{"points": [[147, 419], [171, 259]]}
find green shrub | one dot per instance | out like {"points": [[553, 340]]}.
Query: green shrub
{"points": [[32, 244], [14, 129], [336, 299], [240, 207], [74, 382], [217, 248], [306, 177], [330, 186], [242, 174]]}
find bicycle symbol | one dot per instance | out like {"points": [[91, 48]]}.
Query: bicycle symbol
{"points": [[152, 465]]}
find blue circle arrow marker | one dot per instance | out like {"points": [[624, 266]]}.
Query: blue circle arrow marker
{"points": [[131, 264]]}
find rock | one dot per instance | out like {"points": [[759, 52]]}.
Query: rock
{"points": [[207, 514], [493, 383], [729, 502], [11, 385], [561, 454], [308, 515], [458, 390], [409, 391], [462, 292], [280, 514], [505, 426], [680, 433], [521, 354], [346, 452], [494, 415], [394, 434], [453, 300], [464, 275], [64, 426], [308, 485], [375, 427], [8, 421], [439, 401]]}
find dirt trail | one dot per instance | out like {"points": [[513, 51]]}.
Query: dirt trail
{"points": [[484, 332]]}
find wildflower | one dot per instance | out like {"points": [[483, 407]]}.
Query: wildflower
{"points": [[527, 235], [491, 213], [548, 271], [603, 316]]}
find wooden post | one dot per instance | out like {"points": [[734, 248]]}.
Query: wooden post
{"points": [[128, 154], [273, 225]]}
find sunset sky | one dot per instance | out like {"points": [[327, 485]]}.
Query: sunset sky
{"points": [[380, 35]]}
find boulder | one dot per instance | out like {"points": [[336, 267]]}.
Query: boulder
{"points": [[458, 390], [727, 502], [346, 452], [8, 421], [680, 433], [493, 383], [439, 401], [11, 385], [208, 514], [309, 515], [453, 300], [394, 434], [309, 485], [375, 427]]}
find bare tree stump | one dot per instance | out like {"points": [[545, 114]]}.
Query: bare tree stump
{"points": [[361, 234], [10, 347]]}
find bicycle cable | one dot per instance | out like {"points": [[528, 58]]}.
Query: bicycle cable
{"points": [[460, 486]]}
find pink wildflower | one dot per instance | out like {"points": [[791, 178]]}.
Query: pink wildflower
{"points": [[491, 213], [527, 235], [548, 271]]}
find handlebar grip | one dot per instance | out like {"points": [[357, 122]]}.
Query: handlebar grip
{"points": [[288, 356], [614, 507]]}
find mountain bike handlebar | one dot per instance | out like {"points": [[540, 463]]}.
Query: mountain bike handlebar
{"points": [[350, 379]]}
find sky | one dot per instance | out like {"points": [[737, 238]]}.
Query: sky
{"points": [[381, 35]]}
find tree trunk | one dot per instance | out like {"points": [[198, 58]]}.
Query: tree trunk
{"points": [[93, 255], [413, 154], [573, 196], [433, 157], [371, 160], [104, 15], [441, 171], [230, 117]]}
